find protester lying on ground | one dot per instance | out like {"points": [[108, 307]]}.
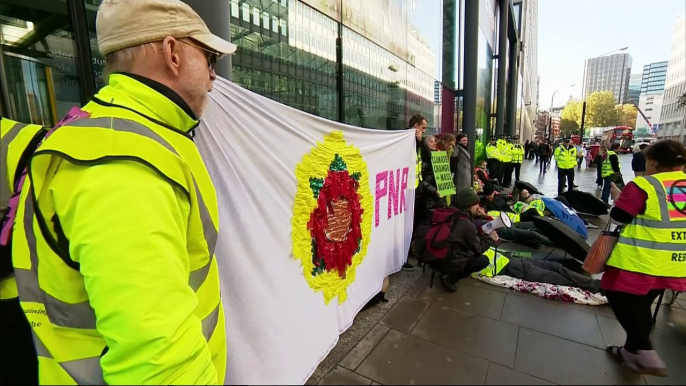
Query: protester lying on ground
{"points": [[492, 200], [524, 233], [539, 271], [466, 244]]}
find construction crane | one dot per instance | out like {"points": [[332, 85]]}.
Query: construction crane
{"points": [[643, 115]]}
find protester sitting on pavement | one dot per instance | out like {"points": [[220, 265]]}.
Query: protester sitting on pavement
{"points": [[492, 200], [468, 246], [638, 162], [649, 257], [481, 172]]}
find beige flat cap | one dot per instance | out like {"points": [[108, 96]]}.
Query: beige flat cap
{"points": [[126, 23]]}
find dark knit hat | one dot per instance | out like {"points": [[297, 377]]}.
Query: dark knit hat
{"points": [[466, 197], [488, 189]]}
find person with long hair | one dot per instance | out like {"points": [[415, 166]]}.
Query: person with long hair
{"points": [[650, 255]]}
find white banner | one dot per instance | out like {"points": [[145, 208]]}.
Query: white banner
{"points": [[313, 216]]}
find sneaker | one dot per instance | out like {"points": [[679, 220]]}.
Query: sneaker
{"points": [[651, 363], [408, 267], [448, 284]]}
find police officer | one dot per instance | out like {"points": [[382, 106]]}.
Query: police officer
{"points": [[565, 158], [517, 151], [507, 162], [493, 158]]}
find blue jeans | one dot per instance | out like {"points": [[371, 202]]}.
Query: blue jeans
{"points": [[607, 185]]}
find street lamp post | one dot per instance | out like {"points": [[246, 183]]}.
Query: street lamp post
{"points": [[550, 112]]}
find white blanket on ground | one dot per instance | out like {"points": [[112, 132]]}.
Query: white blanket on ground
{"points": [[284, 178], [545, 290]]}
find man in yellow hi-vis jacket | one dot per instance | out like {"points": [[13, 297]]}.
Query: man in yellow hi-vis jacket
{"points": [[113, 243], [18, 363]]}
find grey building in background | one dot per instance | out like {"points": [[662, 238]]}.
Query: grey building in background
{"points": [[654, 75], [673, 117], [608, 73], [635, 82]]}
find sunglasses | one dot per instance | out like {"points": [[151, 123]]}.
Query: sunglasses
{"points": [[212, 56]]}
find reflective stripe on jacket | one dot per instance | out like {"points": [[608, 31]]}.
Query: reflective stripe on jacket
{"points": [[15, 138], [653, 243], [565, 158], [607, 165], [517, 152], [492, 152], [418, 169], [504, 150], [500, 262], [114, 247]]}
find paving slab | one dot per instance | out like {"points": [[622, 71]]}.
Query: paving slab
{"points": [[612, 331], [552, 319], [670, 318], [569, 363], [342, 376], [482, 337], [471, 299], [366, 345], [405, 359], [405, 314], [501, 375], [671, 345]]}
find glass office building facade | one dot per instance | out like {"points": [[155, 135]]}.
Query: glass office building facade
{"points": [[654, 76], [362, 63]]}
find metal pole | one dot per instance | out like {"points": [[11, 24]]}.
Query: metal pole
{"points": [[621, 83], [217, 16], [583, 119], [84, 61], [514, 84], [339, 76], [502, 67], [471, 69]]}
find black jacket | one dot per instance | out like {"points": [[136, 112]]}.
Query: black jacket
{"points": [[544, 150], [465, 241], [499, 203], [638, 162]]}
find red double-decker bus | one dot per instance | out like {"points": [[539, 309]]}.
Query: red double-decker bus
{"points": [[623, 135]]}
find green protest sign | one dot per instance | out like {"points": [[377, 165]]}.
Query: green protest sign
{"points": [[442, 174]]}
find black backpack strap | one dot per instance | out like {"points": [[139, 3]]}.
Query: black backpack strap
{"points": [[28, 152]]}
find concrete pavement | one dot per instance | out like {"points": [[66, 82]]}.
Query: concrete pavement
{"points": [[484, 334]]}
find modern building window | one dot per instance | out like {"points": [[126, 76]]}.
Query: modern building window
{"points": [[39, 62]]}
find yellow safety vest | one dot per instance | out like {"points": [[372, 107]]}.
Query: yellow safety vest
{"points": [[539, 205], [492, 152], [607, 166], [418, 169], [654, 243], [565, 158], [517, 152], [514, 217], [68, 334], [15, 137], [500, 263], [504, 149]]}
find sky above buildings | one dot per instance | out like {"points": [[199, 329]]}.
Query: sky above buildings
{"points": [[570, 32]]}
